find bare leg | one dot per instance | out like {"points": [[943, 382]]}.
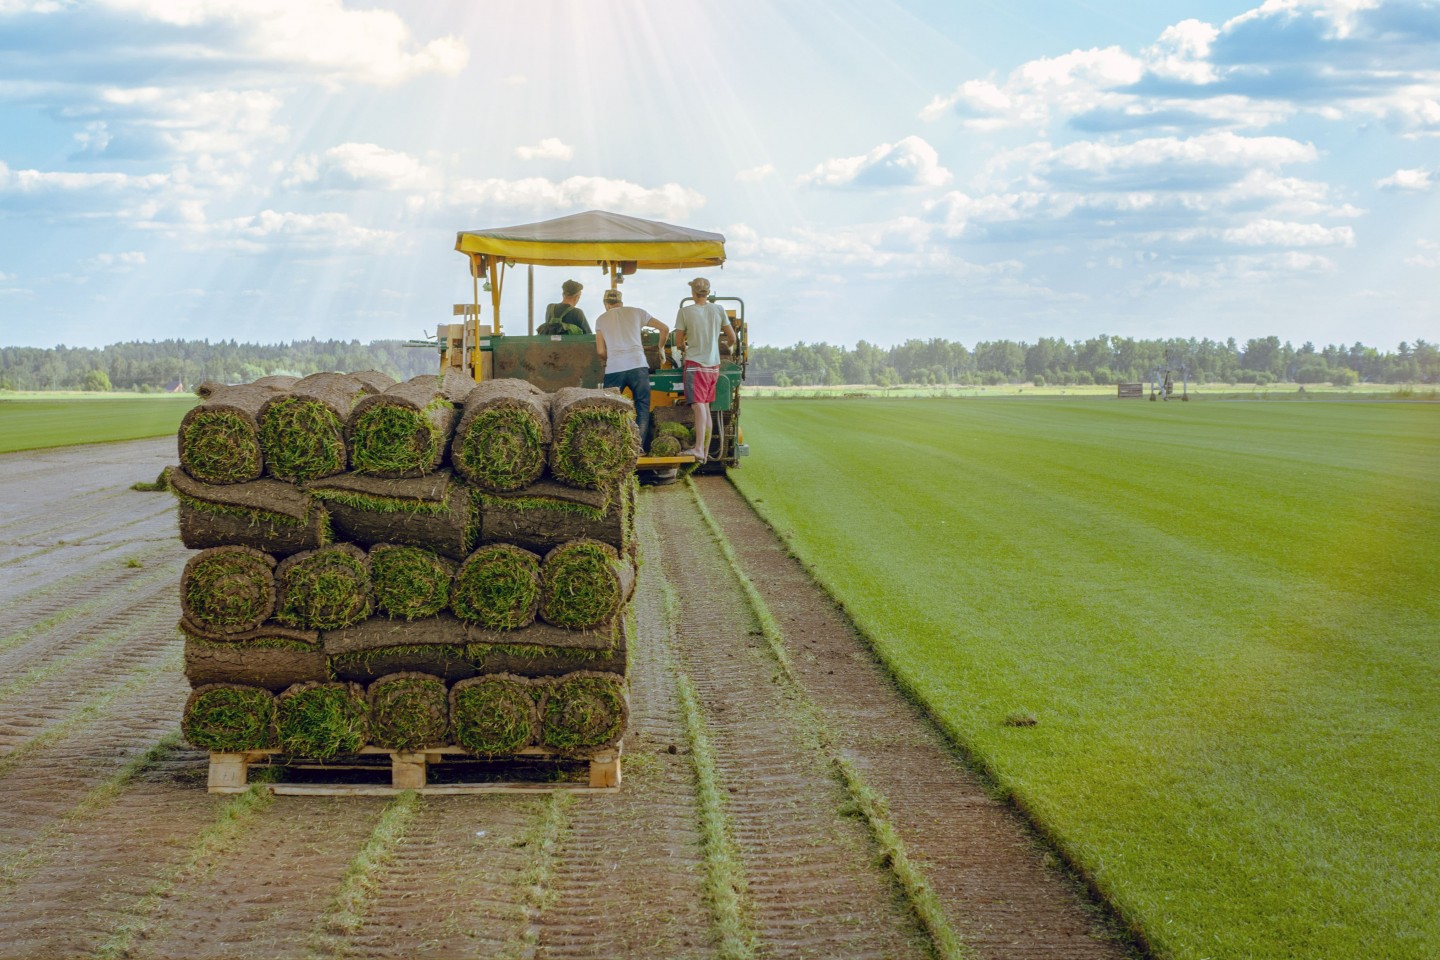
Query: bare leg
{"points": [[702, 429]]}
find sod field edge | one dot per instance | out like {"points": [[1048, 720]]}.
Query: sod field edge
{"points": [[1223, 618], [28, 422]]}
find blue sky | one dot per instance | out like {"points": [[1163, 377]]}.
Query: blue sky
{"points": [[273, 169]]}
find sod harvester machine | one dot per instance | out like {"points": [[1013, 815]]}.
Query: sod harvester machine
{"points": [[619, 245]]}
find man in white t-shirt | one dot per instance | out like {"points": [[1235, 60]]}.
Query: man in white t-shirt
{"points": [[697, 333], [617, 340]]}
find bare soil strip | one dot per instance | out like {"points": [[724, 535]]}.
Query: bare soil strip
{"points": [[998, 884]]}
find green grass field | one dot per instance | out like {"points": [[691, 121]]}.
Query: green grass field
{"points": [[1225, 618], [31, 421]]}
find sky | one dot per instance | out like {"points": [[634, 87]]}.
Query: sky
{"points": [[266, 170]]}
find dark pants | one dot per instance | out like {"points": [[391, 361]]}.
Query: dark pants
{"points": [[638, 380]]}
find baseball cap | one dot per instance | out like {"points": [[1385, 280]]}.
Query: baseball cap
{"points": [[612, 296], [699, 285]]}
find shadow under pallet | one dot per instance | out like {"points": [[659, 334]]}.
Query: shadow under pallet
{"points": [[437, 771]]}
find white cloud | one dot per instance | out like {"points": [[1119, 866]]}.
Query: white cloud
{"points": [[516, 80], [271, 229], [360, 166], [1416, 179], [119, 262], [1035, 90], [164, 120], [756, 174], [669, 201], [1279, 233], [1429, 256], [910, 163], [45, 181], [549, 148]]}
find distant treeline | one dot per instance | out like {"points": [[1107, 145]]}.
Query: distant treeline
{"points": [[1097, 360], [159, 365], [162, 364]]}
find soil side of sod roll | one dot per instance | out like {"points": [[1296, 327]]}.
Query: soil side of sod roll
{"points": [[229, 717], [541, 650], [267, 515], [373, 381], [368, 651], [273, 664], [411, 583], [269, 632], [497, 587], [546, 514], [225, 590], [495, 714], [433, 511], [596, 440], [503, 437], [324, 589], [409, 711], [403, 432], [583, 584], [322, 720], [303, 431], [219, 439], [585, 710]]}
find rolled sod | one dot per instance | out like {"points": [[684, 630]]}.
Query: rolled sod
{"points": [[439, 646], [227, 590], [503, 437], [433, 511], [494, 714], [402, 432], [373, 381], [541, 650], [584, 583], [273, 663], [596, 440], [229, 718], [410, 582], [680, 431], [497, 587], [321, 720], [546, 514], [584, 710], [665, 445], [267, 631], [303, 431], [324, 589], [219, 439], [264, 514], [409, 711]]}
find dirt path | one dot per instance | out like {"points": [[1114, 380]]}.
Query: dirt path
{"points": [[744, 842]]}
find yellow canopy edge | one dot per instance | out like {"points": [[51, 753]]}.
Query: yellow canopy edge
{"points": [[597, 236]]}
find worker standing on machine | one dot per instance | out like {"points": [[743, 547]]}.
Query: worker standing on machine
{"points": [[559, 316], [617, 341], [698, 329]]}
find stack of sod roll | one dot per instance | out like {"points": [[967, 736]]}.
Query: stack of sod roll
{"points": [[406, 565]]}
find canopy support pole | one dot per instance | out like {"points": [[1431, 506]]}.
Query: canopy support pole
{"points": [[532, 299]]}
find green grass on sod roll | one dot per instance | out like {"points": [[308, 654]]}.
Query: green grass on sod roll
{"points": [[220, 447], [230, 718], [229, 589], [504, 449], [583, 710], [410, 582], [498, 587], [303, 439], [387, 438], [1222, 616], [581, 585], [493, 714], [325, 589], [665, 445], [321, 720], [409, 711], [594, 447], [681, 432]]}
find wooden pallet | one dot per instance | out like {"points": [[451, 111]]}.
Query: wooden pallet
{"points": [[409, 770]]}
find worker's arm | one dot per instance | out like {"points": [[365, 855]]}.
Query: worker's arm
{"points": [[729, 337], [657, 324], [600, 345], [680, 339]]}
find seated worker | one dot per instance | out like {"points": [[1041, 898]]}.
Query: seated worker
{"points": [[617, 341], [565, 317]]}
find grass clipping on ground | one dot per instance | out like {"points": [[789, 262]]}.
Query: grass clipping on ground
{"points": [[404, 431], [494, 714], [324, 589], [409, 711], [503, 436], [596, 440], [410, 582], [226, 590], [498, 587], [322, 720], [303, 432], [584, 710], [583, 584], [229, 717]]}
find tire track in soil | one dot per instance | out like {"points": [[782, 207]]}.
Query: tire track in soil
{"points": [[102, 573], [812, 880], [629, 878], [449, 892], [999, 885], [267, 892]]}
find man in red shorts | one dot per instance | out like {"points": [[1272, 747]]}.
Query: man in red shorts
{"points": [[698, 327]]}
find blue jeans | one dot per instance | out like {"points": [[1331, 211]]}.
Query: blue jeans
{"points": [[638, 380]]}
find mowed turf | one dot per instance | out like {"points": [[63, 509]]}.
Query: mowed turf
{"points": [[1223, 617], [31, 424]]}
